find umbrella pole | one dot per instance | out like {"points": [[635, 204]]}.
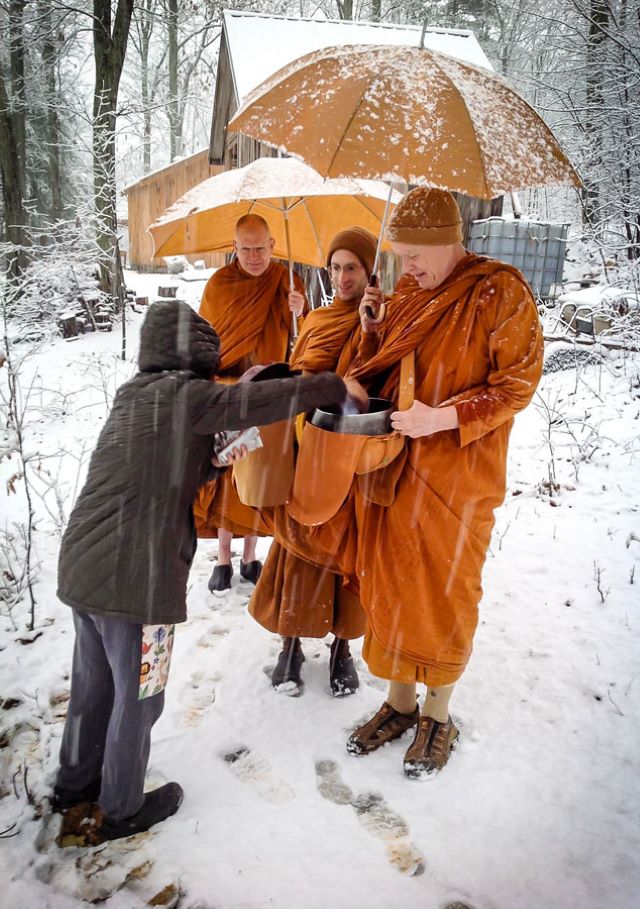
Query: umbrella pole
{"points": [[294, 320], [372, 277]]}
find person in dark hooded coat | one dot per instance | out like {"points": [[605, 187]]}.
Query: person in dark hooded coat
{"points": [[126, 554]]}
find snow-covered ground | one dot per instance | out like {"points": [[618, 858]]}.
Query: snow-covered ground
{"points": [[539, 804]]}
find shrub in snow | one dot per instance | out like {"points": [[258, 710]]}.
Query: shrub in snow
{"points": [[61, 278]]}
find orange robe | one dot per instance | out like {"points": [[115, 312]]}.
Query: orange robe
{"points": [[323, 337], [295, 597], [417, 563], [252, 317]]}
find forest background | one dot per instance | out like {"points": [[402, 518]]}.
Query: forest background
{"points": [[97, 94]]}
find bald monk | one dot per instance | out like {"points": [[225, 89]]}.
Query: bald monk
{"points": [[294, 597], [470, 326], [251, 307]]}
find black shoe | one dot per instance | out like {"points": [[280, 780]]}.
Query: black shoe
{"points": [[250, 571], [285, 678], [342, 671], [63, 799], [220, 578], [158, 805]]}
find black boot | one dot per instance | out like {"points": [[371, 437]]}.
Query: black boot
{"points": [[64, 799], [220, 578], [158, 805], [250, 571], [342, 672], [285, 678]]}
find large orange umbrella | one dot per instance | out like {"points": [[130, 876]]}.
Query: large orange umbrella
{"points": [[405, 113], [303, 210]]}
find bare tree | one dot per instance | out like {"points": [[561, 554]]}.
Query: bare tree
{"points": [[13, 190], [52, 132], [109, 45]]}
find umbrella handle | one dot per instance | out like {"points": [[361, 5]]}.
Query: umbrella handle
{"points": [[373, 282]]}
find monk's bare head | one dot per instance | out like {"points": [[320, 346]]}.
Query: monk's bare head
{"points": [[426, 232], [253, 244]]}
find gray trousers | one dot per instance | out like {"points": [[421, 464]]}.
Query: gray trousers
{"points": [[108, 730]]}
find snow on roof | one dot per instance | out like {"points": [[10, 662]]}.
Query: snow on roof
{"points": [[260, 45], [153, 174]]}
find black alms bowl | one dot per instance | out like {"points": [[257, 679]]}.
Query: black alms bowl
{"points": [[375, 422]]}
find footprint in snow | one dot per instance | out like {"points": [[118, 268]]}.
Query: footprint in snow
{"points": [[198, 697], [255, 769], [94, 874], [212, 637], [375, 816], [331, 786]]}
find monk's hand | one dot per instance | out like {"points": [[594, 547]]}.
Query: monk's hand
{"points": [[372, 309], [236, 454], [357, 394], [296, 302], [421, 420]]}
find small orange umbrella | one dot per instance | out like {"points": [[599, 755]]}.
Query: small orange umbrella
{"points": [[304, 211], [405, 113]]}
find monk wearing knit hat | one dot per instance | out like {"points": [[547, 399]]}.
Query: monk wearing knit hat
{"points": [[413, 544], [296, 598]]}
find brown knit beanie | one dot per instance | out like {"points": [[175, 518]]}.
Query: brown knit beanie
{"points": [[426, 217], [358, 241]]}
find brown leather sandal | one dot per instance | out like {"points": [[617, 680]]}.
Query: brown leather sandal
{"points": [[388, 724], [431, 747]]}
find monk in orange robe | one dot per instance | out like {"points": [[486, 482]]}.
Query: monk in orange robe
{"points": [[411, 538], [251, 306], [294, 597]]}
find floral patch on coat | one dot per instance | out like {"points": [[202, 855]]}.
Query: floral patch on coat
{"points": [[155, 659]]}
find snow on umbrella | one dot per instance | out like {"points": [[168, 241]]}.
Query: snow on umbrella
{"points": [[405, 113], [303, 210]]}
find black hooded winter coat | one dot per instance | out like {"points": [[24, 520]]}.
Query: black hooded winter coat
{"points": [[130, 539]]}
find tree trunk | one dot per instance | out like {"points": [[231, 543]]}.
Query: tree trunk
{"points": [[18, 99], [144, 24], [175, 121], [12, 188], [109, 52], [53, 137], [598, 22], [146, 113]]}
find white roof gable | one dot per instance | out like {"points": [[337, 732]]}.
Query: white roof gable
{"points": [[260, 45]]}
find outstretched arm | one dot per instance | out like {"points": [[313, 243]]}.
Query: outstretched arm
{"points": [[217, 407]]}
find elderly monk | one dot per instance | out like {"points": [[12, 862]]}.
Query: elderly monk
{"points": [[251, 306], [412, 540], [294, 597]]}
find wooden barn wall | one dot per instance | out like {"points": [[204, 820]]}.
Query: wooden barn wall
{"points": [[148, 198]]}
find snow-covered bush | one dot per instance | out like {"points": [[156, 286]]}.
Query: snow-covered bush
{"points": [[61, 278]]}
